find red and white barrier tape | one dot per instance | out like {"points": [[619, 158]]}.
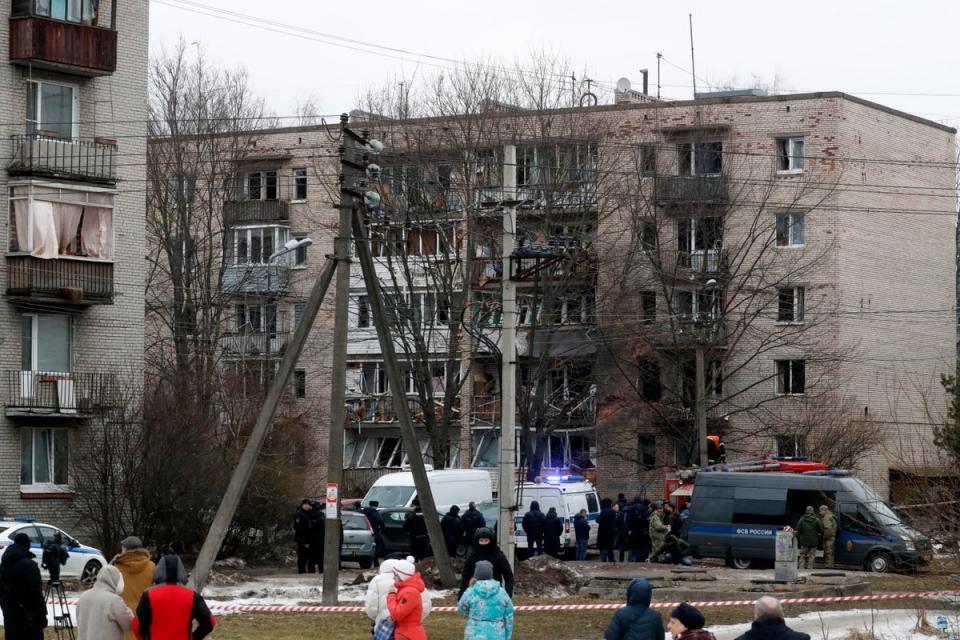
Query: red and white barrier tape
{"points": [[271, 608]]}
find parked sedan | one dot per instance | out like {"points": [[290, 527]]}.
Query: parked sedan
{"points": [[395, 538], [357, 543], [84, 563]]}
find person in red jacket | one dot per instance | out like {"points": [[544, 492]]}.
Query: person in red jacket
{"points": [[406, 605], [167, 611]]}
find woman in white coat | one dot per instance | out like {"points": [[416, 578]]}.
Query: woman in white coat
{"points": [[383, 584], [101, 612]]}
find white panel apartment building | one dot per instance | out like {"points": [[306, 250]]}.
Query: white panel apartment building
{"points": [[73, 92]]}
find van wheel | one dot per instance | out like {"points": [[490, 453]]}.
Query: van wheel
{"points": [[741, 563], [879, 562]]}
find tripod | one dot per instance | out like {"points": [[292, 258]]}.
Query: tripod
{"points": [[62, 622]]}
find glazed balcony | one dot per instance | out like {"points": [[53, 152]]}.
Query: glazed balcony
{"points": [[692, 190], [74, 394], [44, 43], [261, 279], [59, 281], [49, 156]]}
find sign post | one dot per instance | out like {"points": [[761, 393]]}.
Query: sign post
{"points": [[332, 494]]}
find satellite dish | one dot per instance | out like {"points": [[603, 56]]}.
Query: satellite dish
{"points": [[623, 85]]}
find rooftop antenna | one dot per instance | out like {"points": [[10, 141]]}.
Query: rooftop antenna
{"points": [[693, 60], [659, 56]]}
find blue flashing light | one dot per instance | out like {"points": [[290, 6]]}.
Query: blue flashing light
{"points": [[562, 479], [23, 520]]}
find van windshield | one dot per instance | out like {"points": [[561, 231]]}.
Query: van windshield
{"points": [[389, 497], [879, 509]]}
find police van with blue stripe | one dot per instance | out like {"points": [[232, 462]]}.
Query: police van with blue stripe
{"points": [[735, 516], [568, 495]]}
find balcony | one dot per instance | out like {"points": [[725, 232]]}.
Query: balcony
{"points": [[707, 261], [55, 45], [254, 344], [60, 281], [32, 394], [264, 279], [705, 190], [380, 409], [90, 160], [486, 409], [237, 212]]}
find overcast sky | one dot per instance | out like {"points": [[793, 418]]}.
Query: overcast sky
{"points": [[901, 54]]}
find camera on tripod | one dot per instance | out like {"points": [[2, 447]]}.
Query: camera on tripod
{"points": [[54, 556]]}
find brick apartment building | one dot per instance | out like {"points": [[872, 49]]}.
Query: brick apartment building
{"points": [[73, 94], [803, 242]]}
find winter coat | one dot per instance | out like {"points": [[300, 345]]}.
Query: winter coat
{"points": [[137, 569], [772, 628], [489, 612], [638, 525], [636, 621], [452, 529], [308, 527], [829, 523], [376, 520], [658, 530], [21, 595], [168, 610], [101, 612], [380, 587], [533, 522], [808, 531], [552, 531], [406, 609], [606, 528], [492, 554], [696, 634], [472, 520], [581, 526]]}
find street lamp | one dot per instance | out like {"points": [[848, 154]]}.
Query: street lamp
{"points": [[290, 245]]}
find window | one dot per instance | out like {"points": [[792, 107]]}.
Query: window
{"points": [[790, 304], [50, 222], [300, 184], [44, 456], [699, 234], [790, 229], [715, 377], [300, 254], [791, 445], [649, 381], [255, 245], [791, 376], [256, 318], [52, 108], [262, 185], [699, 159], [373, 378], [699, 305], [389, 453], [46, 343], [648, 306], [573, 310], [363, 312], [646, 452], [648, 160], [790, 154], [300, 383], [298, 309], [182, 189], [84, 11], [648, 234], [422, 242]]}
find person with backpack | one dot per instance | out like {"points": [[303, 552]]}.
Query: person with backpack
{"points": [[487, 605]]}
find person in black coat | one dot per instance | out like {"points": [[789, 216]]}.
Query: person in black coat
{"points": [[532, 524], [416, 529], [472, 520], [581, 527], [487, 549], [308, 529], [21, 592], [638, 534], [768, 623], [452, 527], [606, 530], [623, 529], [376, 523], [552, 530], [636, 621]]}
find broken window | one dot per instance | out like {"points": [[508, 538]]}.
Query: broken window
{"points": [[790, 304], [648, 234], [262, 185], [648, 160], [790, 229], [649, 380], [791, 445], [790, 154], [791, 377], [699, 159], [646, 452], [648, 306]]}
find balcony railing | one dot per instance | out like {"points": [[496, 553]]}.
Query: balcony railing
{"points": [[42, 155], [268, 279], [691, 190], [259, 344], [55, 45], [252, 211], [703, 261], [381, 409], [486, 409], [59, 394], [70, 281], [551, 262]]}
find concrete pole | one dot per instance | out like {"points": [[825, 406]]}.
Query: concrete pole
{"points": [[701, 405], [338, 383], [241, 475], [395, 379], [508, 365]]}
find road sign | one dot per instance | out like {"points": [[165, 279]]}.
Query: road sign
{"points": [[332, 492]]}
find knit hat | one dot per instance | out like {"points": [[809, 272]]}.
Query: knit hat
{"points": [[483, 570], [808, 510], [131, 542], [22, 540], [689, 616], [404, 569]]}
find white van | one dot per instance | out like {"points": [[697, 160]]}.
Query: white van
{"points": [[450, 487], [568, 495]]}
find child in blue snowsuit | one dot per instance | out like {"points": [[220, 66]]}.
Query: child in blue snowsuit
{"points": [[487, 606]]}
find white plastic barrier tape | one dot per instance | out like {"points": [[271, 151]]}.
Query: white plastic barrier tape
{"points": [[271, 608]]}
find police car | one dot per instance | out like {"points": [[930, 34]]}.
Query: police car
{"points": [[84, 563]]}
